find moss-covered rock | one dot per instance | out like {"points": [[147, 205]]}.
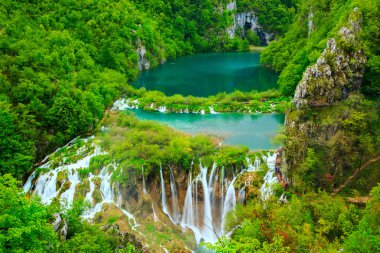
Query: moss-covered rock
{"points": [[97, 196], [338, 71]]}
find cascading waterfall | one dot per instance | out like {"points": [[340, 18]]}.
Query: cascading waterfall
{"points": [[241, 195], [212, 111], [210, 194], [28, 184], [68, 195], [174, 196], [162, 109], [269, 179], [229, 202], [188, 215], [144, 186], [155, 218], [163, 198], [222, 179], [207, 215], [46, 184]]}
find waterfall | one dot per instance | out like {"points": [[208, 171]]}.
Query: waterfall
{"points": [[212, 111], [188, 211], [174, 196], [28, 184], [123, 104], [134, 223], [163, 198], [155, 218], [241, 195], [105, 186], [144, 185], [92, 188], [269, 179], [162, 109], [68, 196], [229, 202], [207, 216], [163, 195], [210, 194], [46, 186], [222, 191]]}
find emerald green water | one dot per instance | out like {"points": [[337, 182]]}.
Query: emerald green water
{"points": [[253, 131], [208, 74]]}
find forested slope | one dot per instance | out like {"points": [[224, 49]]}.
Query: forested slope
{"points": [[63, 62], [316, 22]]}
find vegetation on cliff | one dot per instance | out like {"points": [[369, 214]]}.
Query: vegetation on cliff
{"points": [[316, 22]]}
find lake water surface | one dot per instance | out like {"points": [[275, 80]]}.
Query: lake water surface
{"points": [[208, 74], [252, 130]]}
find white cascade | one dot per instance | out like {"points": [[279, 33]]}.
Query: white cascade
{"points": [[68, 196], [207, 232], [212, 111], [241, 195], [174, 197], [229, 202], [162, 109], [163, 198], [28, 184], [144, 184], [155, 218], [269, 179]]}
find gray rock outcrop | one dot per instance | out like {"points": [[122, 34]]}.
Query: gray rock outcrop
{"points": [[337, 72], [143, 61], [60, 226]]}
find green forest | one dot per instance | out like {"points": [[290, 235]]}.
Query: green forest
{"points": [[64, 63]]}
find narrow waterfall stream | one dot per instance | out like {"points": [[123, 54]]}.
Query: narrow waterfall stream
{"points": [[208, 224]]}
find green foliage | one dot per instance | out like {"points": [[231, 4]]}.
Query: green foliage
{"points": [[274, 15], [16, 146], [301, 47], [341, 139], [146, 145], [25, 226], [366, 237], [237, 101], [24, 222], [64, 62], [314, 222]]}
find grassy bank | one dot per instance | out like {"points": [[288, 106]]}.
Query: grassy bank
{"points": [[245, 102]]}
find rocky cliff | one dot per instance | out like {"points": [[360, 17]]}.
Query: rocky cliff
{"points": [[323, 142], [246, 21], [337, 72]]}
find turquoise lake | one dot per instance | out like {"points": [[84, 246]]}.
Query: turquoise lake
{"points": [[208, 74], [252, 130]]}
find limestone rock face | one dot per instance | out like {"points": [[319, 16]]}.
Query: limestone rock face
{"points": [[143, 61], [60, 226], [337, 72], [247, 21]]}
